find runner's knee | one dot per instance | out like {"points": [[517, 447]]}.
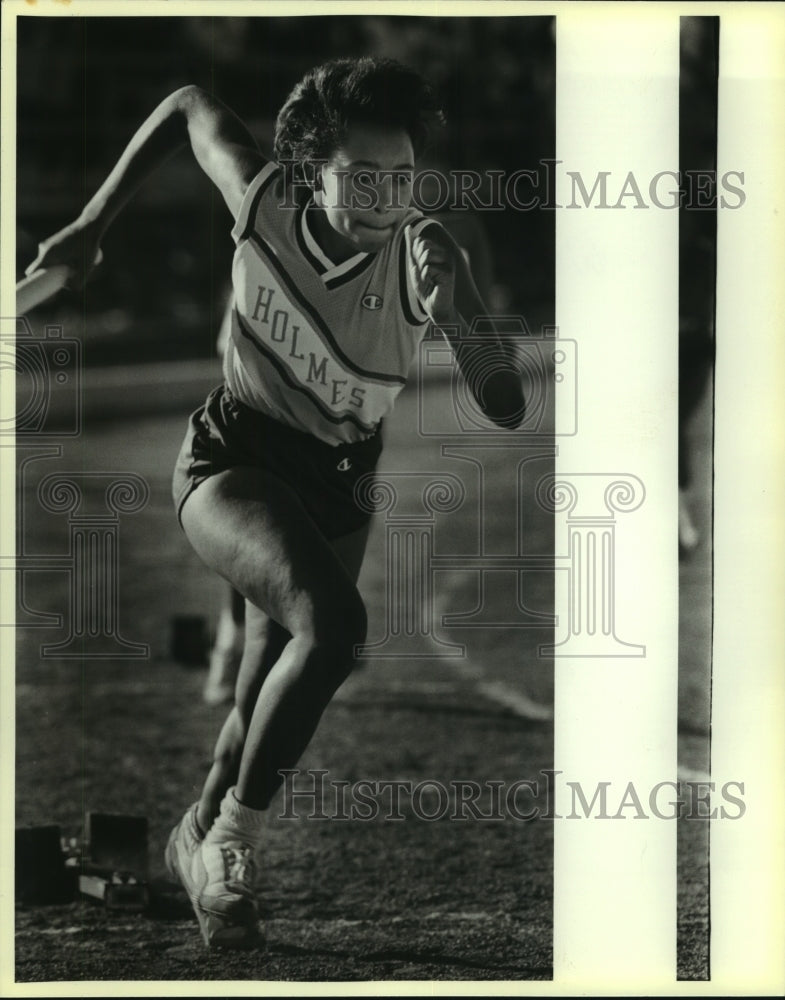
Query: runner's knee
{"points": [[326, 634], [343, 627], [335, 633]]}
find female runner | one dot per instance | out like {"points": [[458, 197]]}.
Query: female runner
{"points": [[335, 279]]}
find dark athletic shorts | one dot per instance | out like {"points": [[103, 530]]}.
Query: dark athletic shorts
{"points": [[224, 433]]}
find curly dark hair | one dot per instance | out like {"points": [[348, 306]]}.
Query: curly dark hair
{"points": [[316, 116]]}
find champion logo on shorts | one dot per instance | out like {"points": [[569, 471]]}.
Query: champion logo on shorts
{"points": [[372, 301], [344, 465]]}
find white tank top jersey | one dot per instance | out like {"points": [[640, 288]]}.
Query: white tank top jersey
{"points": [[322, 347]]}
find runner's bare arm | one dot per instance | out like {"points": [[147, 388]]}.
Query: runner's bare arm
{"points": [[449, 295], [223, 148]]}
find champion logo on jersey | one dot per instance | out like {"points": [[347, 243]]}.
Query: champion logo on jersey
{"points": [[344, 465], [372, 302]]}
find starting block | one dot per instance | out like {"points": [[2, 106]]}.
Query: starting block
{"points": [[117, 841], [110, 865], [113, 865], [115, 889], [41, 873]]}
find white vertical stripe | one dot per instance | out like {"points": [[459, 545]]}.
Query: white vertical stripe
{"points": [[617, 296], [748, 727]]}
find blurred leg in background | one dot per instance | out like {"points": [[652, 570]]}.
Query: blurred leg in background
{"points": [[227, 650]]}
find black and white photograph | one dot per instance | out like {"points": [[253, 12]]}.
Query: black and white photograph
{"points": [[497, 697]]}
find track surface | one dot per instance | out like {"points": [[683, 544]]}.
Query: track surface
{"points": [[407, 899]]}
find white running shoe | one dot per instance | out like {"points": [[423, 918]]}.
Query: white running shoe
{"points": [[219, 879], [184, 841]]}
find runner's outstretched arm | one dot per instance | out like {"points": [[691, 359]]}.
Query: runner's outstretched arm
{"points": [[223, 148]]}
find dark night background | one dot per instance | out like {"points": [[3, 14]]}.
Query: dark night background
{"points": [[86, 84]]}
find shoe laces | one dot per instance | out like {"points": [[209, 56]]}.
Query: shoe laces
{"points": [[239, 867]]}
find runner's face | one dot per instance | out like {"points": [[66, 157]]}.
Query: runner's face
{"points": [[366, 186]]}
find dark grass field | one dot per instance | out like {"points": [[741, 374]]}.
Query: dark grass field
{"points": [[380, 899]]}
